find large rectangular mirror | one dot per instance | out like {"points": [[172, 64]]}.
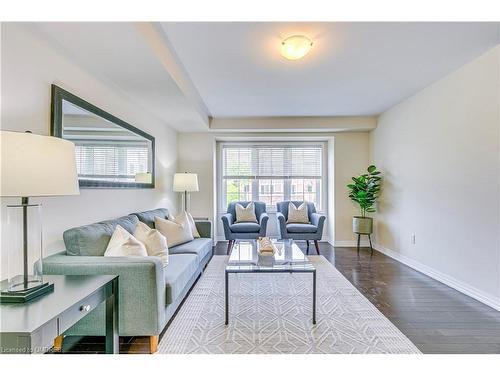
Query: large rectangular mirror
{"points": [[110, 153]]}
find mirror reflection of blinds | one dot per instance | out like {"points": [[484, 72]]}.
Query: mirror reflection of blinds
{"points": [[117, 161], [260, 161]]}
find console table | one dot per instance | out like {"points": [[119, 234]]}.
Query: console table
{"points": [[32, 327]]}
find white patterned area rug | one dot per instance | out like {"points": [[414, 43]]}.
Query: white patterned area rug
{"points": [[272, 313]]}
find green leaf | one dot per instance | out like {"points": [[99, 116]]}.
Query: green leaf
{"points": [[371, 169]]}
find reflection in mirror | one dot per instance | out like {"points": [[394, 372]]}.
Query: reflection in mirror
{"points": [[109, 152], [105, 151]]}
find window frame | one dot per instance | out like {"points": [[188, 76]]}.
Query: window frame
{"points": [[287, 189]]}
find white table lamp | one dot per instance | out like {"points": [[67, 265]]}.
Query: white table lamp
{"points": [[185, 183], [31, 166]]}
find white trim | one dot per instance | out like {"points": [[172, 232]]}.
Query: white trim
{"points": [[448, 280], [363, 243]]}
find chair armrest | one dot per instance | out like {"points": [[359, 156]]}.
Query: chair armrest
{"points": [[263, 219], [204, 228], [281, 224], [142, 294], [227, 220], [318, 221]]}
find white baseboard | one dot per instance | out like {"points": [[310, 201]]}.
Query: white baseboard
{"points": [[450, 281], [363, 243]]}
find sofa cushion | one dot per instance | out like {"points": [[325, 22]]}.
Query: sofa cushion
{"points": [[301, 228], [178, 273], [148, 217], [245, 227], [199, 246], [92, 240]]}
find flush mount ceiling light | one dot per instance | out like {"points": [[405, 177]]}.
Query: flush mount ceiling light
{"points": [[295, 47]]}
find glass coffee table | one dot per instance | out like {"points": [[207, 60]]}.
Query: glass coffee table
{"points": [[289, 258]]}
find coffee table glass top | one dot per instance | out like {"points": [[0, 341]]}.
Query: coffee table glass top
{"points": [[288, 258]]}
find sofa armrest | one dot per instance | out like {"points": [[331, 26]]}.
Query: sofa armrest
{"points": [[263, 219], [142, 294], [281, 224], [204, 228], [318, 221]]}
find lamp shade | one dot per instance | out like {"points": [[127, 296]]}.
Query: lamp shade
{"points": [[36, 166], [186, 182]]}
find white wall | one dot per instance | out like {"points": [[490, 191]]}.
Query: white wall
{"points": [[197, 153], [29, 66], [439, 152]]}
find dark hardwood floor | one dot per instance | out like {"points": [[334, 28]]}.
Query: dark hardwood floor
{"points": [[436, 318]]}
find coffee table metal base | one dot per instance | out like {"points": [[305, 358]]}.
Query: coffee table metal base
{"points": [[226, 293]]}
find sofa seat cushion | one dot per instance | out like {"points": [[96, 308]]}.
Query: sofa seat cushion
{"points": [[245, 227], [199, 246], [301, 228], [181, 268], [92, 240]]}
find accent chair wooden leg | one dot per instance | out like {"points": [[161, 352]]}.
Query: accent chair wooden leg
{"points": [[307, 243], [317, 246], [153, 344], [229, 246], [58, 341]]}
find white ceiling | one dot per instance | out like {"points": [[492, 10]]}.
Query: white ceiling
{"points": [[120, 52], [354, 69], [183, 73]]}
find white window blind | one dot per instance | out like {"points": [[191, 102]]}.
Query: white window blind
{"points": [[122, 162], [271, 172], [282, 161]]}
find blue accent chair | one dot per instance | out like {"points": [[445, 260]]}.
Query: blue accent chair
{"points": [[246, 230], [299, 231]]}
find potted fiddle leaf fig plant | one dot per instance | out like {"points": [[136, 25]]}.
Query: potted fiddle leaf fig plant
{"points": [[364, 191]]}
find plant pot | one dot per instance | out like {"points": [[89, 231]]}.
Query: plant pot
{"points": [[362, 225]]}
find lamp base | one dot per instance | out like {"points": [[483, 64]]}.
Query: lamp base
{"points": [[23, 296]]}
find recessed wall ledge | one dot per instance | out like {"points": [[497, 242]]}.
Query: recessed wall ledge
{"points": [[294, 124]]}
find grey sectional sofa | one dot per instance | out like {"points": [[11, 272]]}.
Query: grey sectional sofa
{"points": [[149, 293]]}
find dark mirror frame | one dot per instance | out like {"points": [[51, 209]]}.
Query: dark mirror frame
{"points": [[56, 117]]}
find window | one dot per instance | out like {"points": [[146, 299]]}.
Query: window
{"points": [[271, 172]]}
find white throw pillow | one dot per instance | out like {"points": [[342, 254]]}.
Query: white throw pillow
{"points": [[177, 231], [193, 225], [245, 214], [123, 244], [153, 240], [298, 214]]}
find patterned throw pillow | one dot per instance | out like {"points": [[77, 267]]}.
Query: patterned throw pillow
{"points": [[297, 214], [245, 214]]}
